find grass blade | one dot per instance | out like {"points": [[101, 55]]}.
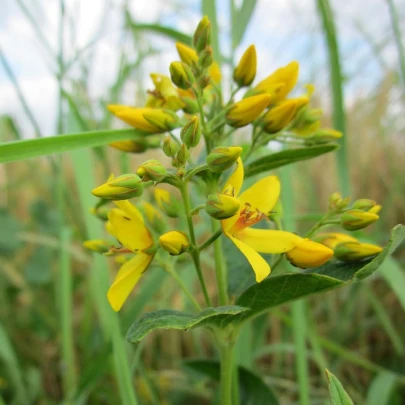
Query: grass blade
{"points": [[381, 389], [209, 9], [240, 20]]}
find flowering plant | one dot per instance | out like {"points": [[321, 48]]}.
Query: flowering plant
{"points": [[210, 180]]}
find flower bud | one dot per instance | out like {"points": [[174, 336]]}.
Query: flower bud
{"points": [[205, 58], [165, 120], [309, 254], [376, 209], [364, 204], [337, 203], [190, 105], [332, 239], [247, 110], [97, 245], [122, 187], [181, 75], [174, 242], [221, 206], [191, 133], [202, 35], [355, 251], [170, 147], [169, 205], [187, 54], [353, 220], [279, 117], [245, 72], [182, 155], [152, 169], [130, 146], [153, 216], [222, 158], [326, 135]]}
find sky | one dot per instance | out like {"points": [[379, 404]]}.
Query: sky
{"points": [[282, 30]]}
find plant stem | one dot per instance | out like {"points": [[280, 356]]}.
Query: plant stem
{"points": [[226, 356], [195, 210], [318, 225], [196, 170], [210, 240], [195, 254]]}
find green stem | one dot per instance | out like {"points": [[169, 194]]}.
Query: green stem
{"points": [[197, 209], [210, 240], [194, 171], [226, 356], [318, 225], [195, 254]]}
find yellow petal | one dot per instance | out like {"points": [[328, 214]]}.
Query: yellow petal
{"points": [[268, 241], [126, 279], [259, 265], [130, 230], [129, 209], [263, 195], [232, 187], [309, 254]]}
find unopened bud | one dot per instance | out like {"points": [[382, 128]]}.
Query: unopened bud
{"points": [[222, 158], [187, 54], [152, 169], [190, 105], [355, 251], [174, 242], [247, 110], [279, 116], [170, 147], [332, 239], [205, 58], [169, 205], [245, 72], [309, 254], [222, 206], [130, 146], [182, 155], [353, 220], [202, 35], [97, 245], [326, 135], [337, 203], [122, 187], [376, 209], [181, 75], [364, 204], [165, 120], [191, 133]]}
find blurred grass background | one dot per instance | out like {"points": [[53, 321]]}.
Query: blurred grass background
{"points": [[59, 342]]}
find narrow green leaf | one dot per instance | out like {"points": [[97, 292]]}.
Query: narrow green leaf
{"points": [[241, 20], [286, 157], [209, 9], [29, 148], [170, 319], [253, 390], [338, 395], [381, 389], [395, 277], [162, 30]]}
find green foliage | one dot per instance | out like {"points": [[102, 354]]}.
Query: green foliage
{"points": [[253, 390], [338, 395], [286, 157], [381, 389], [170, 319]]}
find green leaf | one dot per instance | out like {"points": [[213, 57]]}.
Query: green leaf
{"points": [[240, 21], [208, 8], [10, 226], [285, 157], [159, 29], [338, 395], [381, 389], [38, 267], [29, 148], [253, 390], [395, 278], [170, 319]]}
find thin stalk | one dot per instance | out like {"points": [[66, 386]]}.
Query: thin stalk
{"points": [[195, 254], [210, 240], [197, 209], [336, 83], [220, 269], [226, 376]]}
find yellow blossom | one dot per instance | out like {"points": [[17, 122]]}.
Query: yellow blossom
{"points": [[247, 110], [279, 116], [164, 95], [120, 188], [174, 242], [128, 227], [130, 146], [255, 203], [309, 254], [245, 72], [355, 219]]}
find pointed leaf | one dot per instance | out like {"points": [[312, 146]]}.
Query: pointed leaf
{"points": [[170, 319], [338, 395], [285, 157]]}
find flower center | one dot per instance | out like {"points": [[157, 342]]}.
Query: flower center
{"points": [[247, 217]]}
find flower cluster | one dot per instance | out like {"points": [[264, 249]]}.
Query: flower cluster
{"points": [[191, 102]]}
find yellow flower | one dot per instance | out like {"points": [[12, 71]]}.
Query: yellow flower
{"points": [[164, 95], [174, 242], [279, 116], [120, 188], [247, 110], [127, 225], [308, 254], [354, 219], [332, 239], [279, 83], [151, 120], [245, 72], [255, 203]]}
